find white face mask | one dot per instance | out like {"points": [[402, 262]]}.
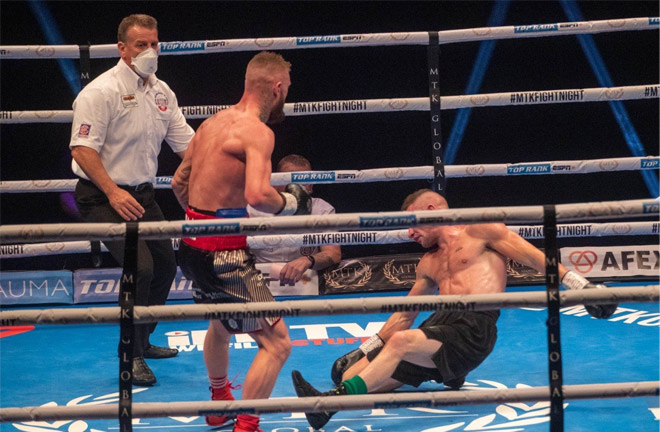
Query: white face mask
{"points": [[146, 63]]}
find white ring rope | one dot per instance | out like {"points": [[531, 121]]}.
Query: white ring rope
{"points": [[533, 97], [349, 238], [392, 174], [36, 233], [401, 236], [353, 306], [332, 403], [341, 41]]}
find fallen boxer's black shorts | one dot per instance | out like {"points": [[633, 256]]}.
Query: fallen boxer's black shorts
{"points": [[467, 339]]}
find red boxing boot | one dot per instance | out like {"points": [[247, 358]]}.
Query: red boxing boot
{"points": [[223, 393], [247, 423]]}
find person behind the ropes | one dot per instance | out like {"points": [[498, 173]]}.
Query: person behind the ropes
{"points": [[298, 260], [120, 120], [464, 259], [227, 166]]}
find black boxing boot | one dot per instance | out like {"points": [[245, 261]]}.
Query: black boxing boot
{"points": [[304, 389]]}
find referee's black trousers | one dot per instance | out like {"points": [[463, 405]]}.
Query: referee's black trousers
{"points": [[156, 260]]}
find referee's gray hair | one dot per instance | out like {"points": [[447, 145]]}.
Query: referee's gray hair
{"points": [[141, 20], [294, 159]]}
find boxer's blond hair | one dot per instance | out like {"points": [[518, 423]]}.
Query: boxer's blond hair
{"points": [[265, 68], [433, 198]]}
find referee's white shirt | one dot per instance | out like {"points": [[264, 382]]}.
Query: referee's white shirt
{"points": [[285, 255], [126, 123]]}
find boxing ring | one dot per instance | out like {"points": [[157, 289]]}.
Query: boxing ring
{"points": [[511, 414]]}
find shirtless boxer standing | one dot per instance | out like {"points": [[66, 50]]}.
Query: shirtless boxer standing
{"points": [[227, 166], [465, 259]]}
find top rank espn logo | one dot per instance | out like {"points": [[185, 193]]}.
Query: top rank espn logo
{"points": [[223, 228], [536, 28], [353, 38], [181, 46], [217, 43], [387, 221], [301, 177], [650, 163], [528, 169], [651, 208], [318, 40]]}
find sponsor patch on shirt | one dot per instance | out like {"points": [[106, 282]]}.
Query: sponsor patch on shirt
{"points": [[83, 132], [161, 101], [129, 100]]}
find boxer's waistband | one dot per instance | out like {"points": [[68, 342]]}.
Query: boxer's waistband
{"points": [[216, 243]]}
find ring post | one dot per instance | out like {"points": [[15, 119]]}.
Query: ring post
{"points": [[127, 328], [554, 343], [433, 51], [85, 75]]}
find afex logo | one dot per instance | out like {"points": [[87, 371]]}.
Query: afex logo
{"points": [[614, 261], [583, 261]]}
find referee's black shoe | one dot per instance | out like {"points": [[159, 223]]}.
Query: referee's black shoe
{"points": [[142, 375], [155, 352]]}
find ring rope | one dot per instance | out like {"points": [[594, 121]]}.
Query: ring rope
{"points": [[332, 403], [533, 97], [297, 308], [349, 238], [342, 41], [391, 174], [35, 233]]}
